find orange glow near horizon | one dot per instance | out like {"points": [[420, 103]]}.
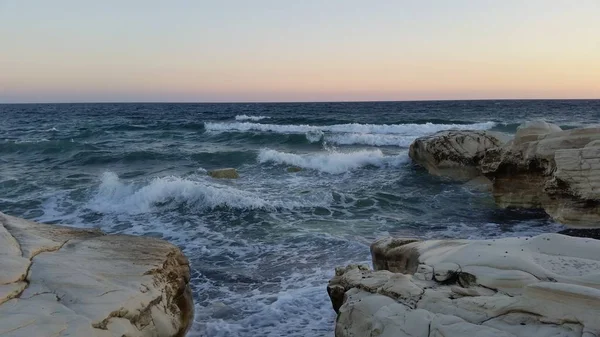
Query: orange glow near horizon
{"points": [[539, 54]]}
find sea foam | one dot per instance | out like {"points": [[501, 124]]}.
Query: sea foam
{"points": [[369, 139], [115, 196], [332, 162], [250, 118], [401, 129], [348, 134]]}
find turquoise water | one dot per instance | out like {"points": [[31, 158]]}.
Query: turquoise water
{"points": [[261, 247]]}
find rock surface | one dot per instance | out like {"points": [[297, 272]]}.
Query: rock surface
{"points": [[454, 153], [542, 167], [548, 285], [224, 173], [61, 281], [545, 167]]}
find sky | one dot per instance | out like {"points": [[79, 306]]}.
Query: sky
{"points": [[278, 50]]}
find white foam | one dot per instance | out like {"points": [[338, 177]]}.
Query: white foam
{"points": [[314, 136], [332, 162], [400, 129], [250, 118], [115, 196], [369, 139]]}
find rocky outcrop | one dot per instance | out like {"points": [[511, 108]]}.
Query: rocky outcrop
{"points": [[548, 285], [224, 173], [61, 281], [542, 167], [455, 153], [545, 167]]}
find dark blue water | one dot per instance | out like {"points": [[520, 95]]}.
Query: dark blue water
{"points": [[261, 247]]}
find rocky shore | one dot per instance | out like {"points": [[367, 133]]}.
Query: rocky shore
{"points": [[541, 167], [62, 281], [547, 285]]}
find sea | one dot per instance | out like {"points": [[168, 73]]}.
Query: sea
{"points": [[318, 183]]}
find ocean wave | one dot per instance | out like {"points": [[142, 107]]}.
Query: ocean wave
{"points": [[113, 195], [369, 139], [43, 145], [400, 129], [314, 136], [332, 162], [250, 118]]}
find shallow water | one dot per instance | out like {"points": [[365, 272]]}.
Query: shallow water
{"points": [[261, 247]]}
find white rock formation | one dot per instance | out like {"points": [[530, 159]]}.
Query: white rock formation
{"points": [[542, 167], [548, 285], [547, 168], [454, 153], [61, 281], [530, 131]]}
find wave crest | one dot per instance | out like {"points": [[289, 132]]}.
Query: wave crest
{"points": [[115, 196], [332, 162], [250, 118], [401, 129], [348, 134], [369, 139]]}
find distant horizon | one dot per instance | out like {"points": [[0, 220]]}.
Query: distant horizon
{"points": [[300, 102]]}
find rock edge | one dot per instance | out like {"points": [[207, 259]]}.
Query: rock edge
{"points": [[62, 281]]}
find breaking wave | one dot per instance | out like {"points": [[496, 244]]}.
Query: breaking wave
{"points": [[113, 195], [349, 134], [332, 162], [400, 129], [250, 118], [369, 139]]}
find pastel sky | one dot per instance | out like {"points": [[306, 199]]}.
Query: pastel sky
{"points": [[309, 50]]}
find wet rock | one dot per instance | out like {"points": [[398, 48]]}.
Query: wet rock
{"points": [[543, 167], [550, 169], [224, 173], [293, 169], [455, 153], [61, 281]]}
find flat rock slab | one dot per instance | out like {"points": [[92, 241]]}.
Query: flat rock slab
{"points": [[61, 281], [548, 285]]}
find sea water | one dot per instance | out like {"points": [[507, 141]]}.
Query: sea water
{"points": [[261, 247]]}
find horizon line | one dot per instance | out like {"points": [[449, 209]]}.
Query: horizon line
{"points": [[299, 102]]}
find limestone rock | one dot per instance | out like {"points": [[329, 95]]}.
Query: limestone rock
{"points": [[224, 173], [545, 167], [455, 153], [61, 281], [548, 285], [532, 130]]}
